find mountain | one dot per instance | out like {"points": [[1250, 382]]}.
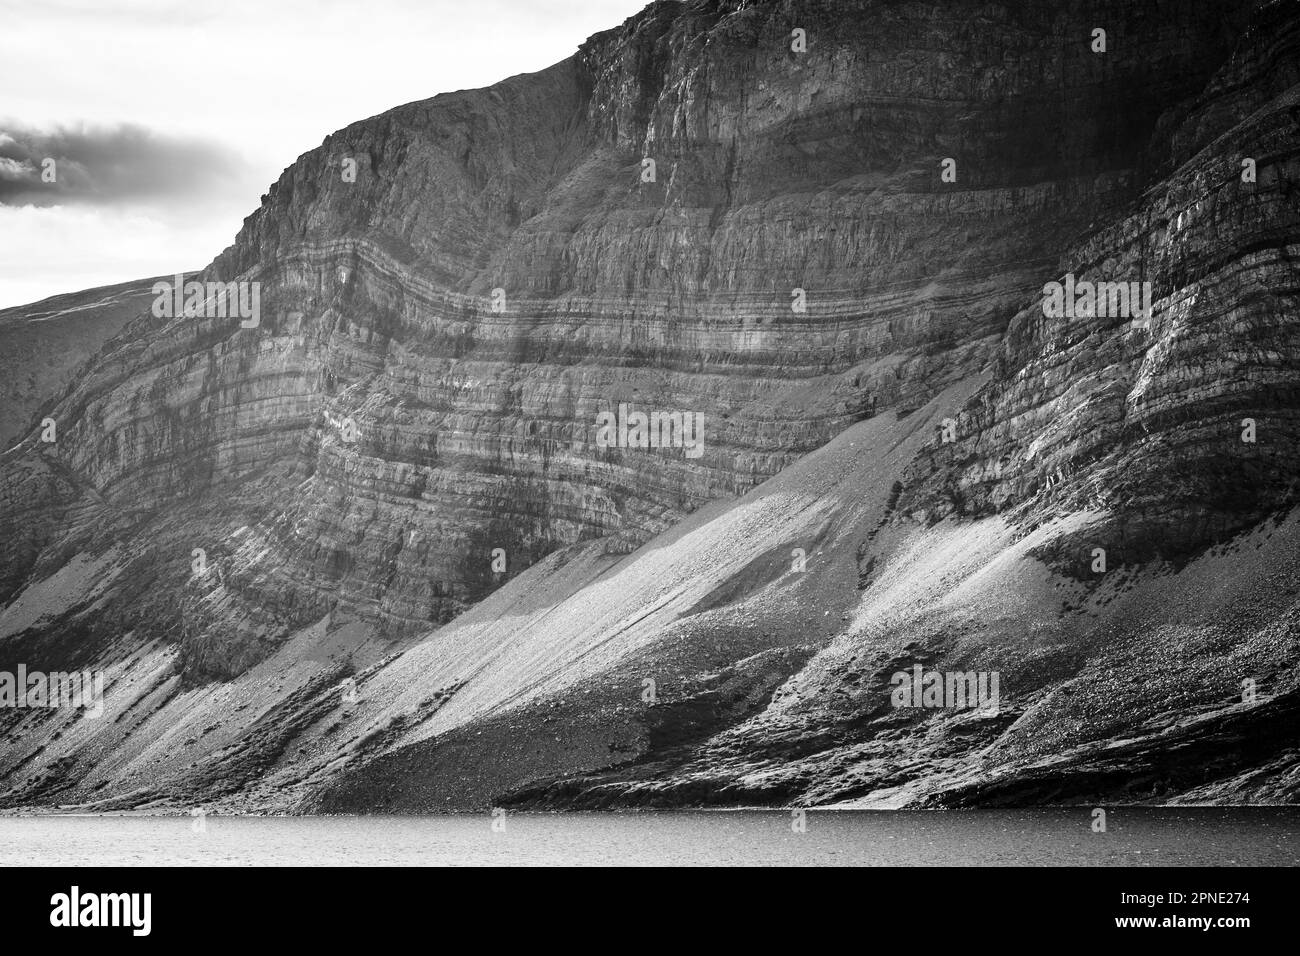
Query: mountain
{"points": [[374, 551], [42, 344]]}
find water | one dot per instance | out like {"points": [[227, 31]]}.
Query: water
{"points": [[1134, 837]]}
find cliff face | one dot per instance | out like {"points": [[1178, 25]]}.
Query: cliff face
{"points": [[1147, 424], [440, 334]]}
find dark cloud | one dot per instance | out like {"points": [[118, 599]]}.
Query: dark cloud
{"points": [[114, 165]]}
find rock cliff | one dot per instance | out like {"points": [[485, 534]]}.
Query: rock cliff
{"points": [[372, 554]]}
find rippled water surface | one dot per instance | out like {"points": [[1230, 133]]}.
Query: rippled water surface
{"points": [[1133, 837]]}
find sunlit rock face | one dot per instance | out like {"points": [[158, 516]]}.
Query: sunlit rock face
{"points": [[779, 219]]}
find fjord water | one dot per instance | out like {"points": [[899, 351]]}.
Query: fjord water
{"points": [[1133, 837]]}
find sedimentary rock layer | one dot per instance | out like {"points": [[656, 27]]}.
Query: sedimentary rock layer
{"points": [[843, 244]]}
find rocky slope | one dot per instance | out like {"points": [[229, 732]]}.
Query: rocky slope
{"points": [[916, 468], [42, 345]]}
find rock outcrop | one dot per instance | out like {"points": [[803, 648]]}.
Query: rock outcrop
{"points": [[371, 553]]}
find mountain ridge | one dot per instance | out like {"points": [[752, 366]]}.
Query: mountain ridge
{"points": [[341, 653]]}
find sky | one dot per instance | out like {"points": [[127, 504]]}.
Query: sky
{"points": [[168, 119]]}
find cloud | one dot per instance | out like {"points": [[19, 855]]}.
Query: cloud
{"points": [[123, 164]]}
